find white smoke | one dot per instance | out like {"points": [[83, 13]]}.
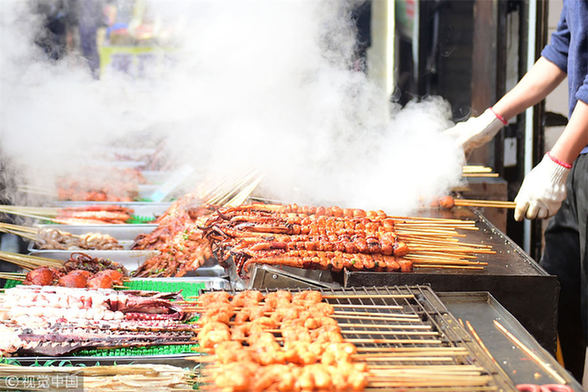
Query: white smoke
{"points": [[253, 84]]}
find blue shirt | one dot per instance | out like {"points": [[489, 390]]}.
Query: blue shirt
{"points": [[568, 50]]}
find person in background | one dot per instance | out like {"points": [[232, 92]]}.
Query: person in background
{"points": [[90, 18], [60, 20], [57, 17], [563, 171]]}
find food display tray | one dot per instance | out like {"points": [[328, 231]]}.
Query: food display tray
{"points": [[122, 232], [169, 354], [144, 209], [130, 259]]}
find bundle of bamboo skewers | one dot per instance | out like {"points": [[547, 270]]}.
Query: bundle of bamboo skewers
{"points": [[435, 243], [311, 236], [232, 192], [26, 232], [448, 202], [150, 378], [26, 262]]}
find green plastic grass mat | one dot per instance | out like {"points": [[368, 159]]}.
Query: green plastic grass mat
{"points": [[138, 351], [188, 289], [138, 220], [11, 283]]}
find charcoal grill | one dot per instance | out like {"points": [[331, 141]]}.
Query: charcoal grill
{"points": [[511, 276], [406, 321]]}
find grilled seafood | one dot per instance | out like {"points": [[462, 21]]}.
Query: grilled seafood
{"points": [[307, 237], [248, 357], [182, 245], [53, 321], [62, 240], [81, 270]]}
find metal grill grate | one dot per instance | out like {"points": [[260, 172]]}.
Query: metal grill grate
{"points": [[408, 327]]}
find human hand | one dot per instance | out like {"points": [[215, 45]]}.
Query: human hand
{"points": [[476, 131], [543, 190]]}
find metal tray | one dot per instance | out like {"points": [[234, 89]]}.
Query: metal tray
{"points": [[130, 259], [266, 276], [120, 232], [481, 309], [140, 208], [125, 244]]}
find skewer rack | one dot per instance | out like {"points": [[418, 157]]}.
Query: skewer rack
{"points": [[422, 324]]}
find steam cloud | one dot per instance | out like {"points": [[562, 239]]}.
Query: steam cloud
{"points": [[252, 84]]}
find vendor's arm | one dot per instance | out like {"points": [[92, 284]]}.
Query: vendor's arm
{"points": [[574, 137], [541, 79]]}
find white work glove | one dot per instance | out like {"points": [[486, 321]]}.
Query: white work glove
{"points": [[543, 190], [476, 131]]}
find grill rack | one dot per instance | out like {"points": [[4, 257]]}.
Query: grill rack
{"points": [[407, 307]]}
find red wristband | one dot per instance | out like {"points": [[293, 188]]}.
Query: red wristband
{"points": [[561, 163], [498, 116]]}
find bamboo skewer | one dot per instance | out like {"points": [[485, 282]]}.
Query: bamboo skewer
{"points": [[447, 266], [362, 315], [211, 359], [544, 365], [480, 175], [450, 381], [485, 203], [476, 168], [346, 296], [238, 191], [356, 317], [352, 296], [24, 229], [359, 306], [388, 332], [7, 276], [479, 340], [434, 389], [422, 352], [431, 369], [438, 256], [391, 326]]}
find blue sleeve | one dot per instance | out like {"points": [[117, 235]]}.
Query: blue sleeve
{"points": [[557, 50], [582, 93]]}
